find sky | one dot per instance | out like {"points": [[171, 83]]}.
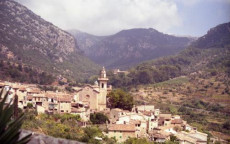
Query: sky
{"points": [[106, 17]]}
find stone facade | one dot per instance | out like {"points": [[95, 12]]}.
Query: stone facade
{"points": [[95, 95], [121, 131]]}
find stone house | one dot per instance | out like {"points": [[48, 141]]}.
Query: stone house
{"points": [[177, 122], [38, 99], [22, 95], [82, 112], [157, 137], [140, 127], [145, 108], [121, 131], [64, 105], [115, 114], [164, 119], [152, 123], [40, 109]]}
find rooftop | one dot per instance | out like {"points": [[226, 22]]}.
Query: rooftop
{"points": [[165, 116], [122, 127], [177, 121]]}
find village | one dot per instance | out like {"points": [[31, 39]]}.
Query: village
{"points": [[143, 121]]}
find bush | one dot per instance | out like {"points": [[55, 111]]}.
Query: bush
{"points": [[57, 125], [90, 133], [137, 141]]}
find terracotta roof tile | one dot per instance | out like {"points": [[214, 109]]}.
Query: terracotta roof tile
{"points": [[135, 122], [64, 99], [158, 135], [147, 113], [78, 110], [22, 89]]}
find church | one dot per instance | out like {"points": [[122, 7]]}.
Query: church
{"points": [[94, 96]]}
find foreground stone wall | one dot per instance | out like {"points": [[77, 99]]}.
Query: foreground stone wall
{"points": [[44, 139]]}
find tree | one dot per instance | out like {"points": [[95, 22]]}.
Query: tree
{"points": [[144, 77], [98, 118], [120, 99], [10, 126]]}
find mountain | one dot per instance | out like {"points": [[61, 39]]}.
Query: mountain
{"points": [[211, 58], [218, 36], [85, 40], [129, 47], [27, 39]]}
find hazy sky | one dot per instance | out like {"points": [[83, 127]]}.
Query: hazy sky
{"points": [[105, 17]]}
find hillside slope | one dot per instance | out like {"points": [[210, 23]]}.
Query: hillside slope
{"points": [[28, 39], [129, 47]]}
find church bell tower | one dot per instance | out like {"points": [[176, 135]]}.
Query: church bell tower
{"points": [[103, 80], [102, 89]]}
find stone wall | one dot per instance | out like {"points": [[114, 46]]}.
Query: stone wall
{"points": [[44, 139]]}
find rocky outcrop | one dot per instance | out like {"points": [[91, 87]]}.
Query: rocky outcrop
{"points": [[18, 24], [86, 41]]}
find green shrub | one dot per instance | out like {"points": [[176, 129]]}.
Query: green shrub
{"points": [[9, 125]]}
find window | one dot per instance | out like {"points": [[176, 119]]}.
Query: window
{"points": [[87, 96], [102, 85]]}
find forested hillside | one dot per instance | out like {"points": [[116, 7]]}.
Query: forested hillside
{"points": [[20, 73]]}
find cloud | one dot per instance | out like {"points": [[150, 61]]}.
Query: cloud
{"points": [[103, 17]]}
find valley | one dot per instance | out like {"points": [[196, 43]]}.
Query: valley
{"points": [[137, 85]]}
